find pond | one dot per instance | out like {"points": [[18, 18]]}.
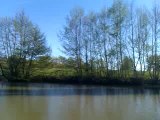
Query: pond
{"points": [[67, 102]]}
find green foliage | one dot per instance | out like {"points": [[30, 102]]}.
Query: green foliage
{"points": [[43, 62], [127, 64], [22, 43], [152, 65]]}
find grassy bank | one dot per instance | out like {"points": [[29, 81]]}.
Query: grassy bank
{"points": [[63, 75]]}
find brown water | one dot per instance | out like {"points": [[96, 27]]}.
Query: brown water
{"points": [[54, 102]]}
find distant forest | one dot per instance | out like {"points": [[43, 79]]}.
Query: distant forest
{"points": [[118, 42]]}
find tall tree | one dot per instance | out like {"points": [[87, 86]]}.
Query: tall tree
{"points": [[72, 37], [105, 35], [131, 34], [155, 35], [118, 15]]}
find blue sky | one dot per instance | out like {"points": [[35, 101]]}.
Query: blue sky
{"points": [[50, 15]]}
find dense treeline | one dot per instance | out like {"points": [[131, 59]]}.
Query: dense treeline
{"points": [[120, 41]]}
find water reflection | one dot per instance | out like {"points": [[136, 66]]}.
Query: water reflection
{"points": [[57, 90], [54, 102]]}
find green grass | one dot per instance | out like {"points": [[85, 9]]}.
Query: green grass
{"points": [[56, 72]]}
